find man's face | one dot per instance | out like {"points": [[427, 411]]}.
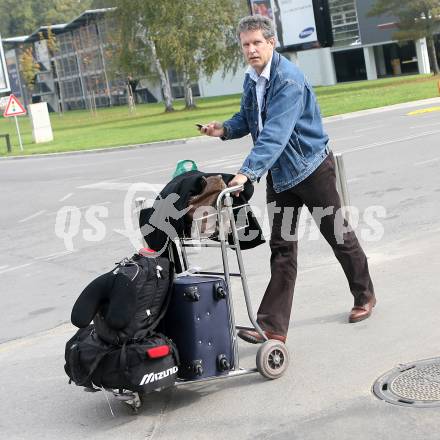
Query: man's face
{"points": [[256, 49]]}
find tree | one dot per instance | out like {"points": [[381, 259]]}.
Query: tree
{"points": [[17, 18], [417, 19], [59, 11], [200, 39], [51, 41], [52, 46], [98, 4], [136, 28], [193, 37], [29, 67], [25, 16]]}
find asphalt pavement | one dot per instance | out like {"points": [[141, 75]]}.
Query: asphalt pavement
{"points": [[67, 218]]}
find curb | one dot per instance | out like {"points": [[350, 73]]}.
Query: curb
{"points": [[328, 119], [109, 149]]}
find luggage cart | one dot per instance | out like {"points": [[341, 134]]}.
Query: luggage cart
{"points": [[272, 357]]}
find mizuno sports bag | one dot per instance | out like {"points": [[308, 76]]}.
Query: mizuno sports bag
{"points": [[141, 366]]}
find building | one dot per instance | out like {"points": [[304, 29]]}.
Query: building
{"points": [[71, 76], [363, 49], [77, 75]]}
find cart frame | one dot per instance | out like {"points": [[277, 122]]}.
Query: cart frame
{"points": [[224, 205], [272, 356]]}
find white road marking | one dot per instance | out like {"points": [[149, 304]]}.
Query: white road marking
{"points": [[225, 159], [32, 216], [424, 125], [66, 197], [5, 269], [145, 173], [16, 267], [427, 161], [79, 207], [123, 186], [54, 255], [221, 166], [235, 166], [106, 184], [359, 130], [346, 138], [158, 170], [389, 142], [232, 156]]}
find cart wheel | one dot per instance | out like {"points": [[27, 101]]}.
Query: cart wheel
{"points": [[272, 359]]}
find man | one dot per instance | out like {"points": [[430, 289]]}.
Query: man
{"points": [[279, 109], [132, 86]]}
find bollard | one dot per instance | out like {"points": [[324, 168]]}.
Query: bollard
{"points": [[8, 141], [8, 144], [341, 183]]}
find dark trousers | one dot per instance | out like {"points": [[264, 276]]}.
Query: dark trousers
{"points": [[319, 194]]}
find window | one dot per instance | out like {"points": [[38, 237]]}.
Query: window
{"points": [[72, 88], [344, 22], [65, 42]]}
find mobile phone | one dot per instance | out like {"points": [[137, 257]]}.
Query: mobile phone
{"points": [[199, 126]]}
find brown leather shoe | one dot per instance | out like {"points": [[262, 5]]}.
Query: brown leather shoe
{"points": [[254, 337], [359, 313]]}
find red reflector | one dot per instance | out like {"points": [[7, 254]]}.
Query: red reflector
{"points": [[158, 352], [146, 251]]}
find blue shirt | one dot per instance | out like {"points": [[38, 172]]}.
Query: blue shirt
{"points": [[260, 87], [292, 142]]}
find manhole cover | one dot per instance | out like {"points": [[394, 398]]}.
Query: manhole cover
{"points": [[414, 384]]}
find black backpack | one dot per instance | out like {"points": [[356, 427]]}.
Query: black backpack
{"points": [[121, 349], [127, 303], [141, 366]]}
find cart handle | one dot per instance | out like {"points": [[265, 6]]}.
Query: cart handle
{"points": [[225, 192]]}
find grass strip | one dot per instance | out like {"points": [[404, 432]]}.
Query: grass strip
{"points": [[115, 126]]}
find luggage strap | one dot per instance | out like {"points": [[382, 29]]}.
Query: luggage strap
{"points": [[164, 309], [167, 301]]}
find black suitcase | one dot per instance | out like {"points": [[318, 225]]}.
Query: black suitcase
{"points": [[198, 321]]}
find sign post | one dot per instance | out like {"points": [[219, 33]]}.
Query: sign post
{"points": [[14, 108], [18, 132]]}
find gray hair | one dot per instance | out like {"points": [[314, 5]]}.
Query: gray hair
{"points": [[256, 23]]}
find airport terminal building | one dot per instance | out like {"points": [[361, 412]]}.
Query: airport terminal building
{"points": [[77, 75], [363, 49]]}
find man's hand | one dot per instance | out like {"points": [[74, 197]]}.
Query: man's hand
{"points": [[238, 179], [213, 129]]}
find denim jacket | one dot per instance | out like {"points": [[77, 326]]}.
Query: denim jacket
{"points": [[293, 142]]}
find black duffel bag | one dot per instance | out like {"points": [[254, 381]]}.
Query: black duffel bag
{"points": [[140, 366]]}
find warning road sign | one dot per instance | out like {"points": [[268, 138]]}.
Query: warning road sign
{"points": [[14, 108]]}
